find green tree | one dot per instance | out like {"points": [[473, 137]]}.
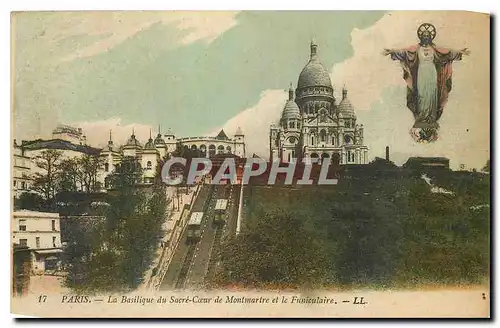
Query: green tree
{"points": [[69, 175], [117, 254], [270, 254], [29, 201], [46, 179], [88, 168], [80, 173]]}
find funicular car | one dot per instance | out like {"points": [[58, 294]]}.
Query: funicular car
{"points": [[220, 211], [194, 227]]}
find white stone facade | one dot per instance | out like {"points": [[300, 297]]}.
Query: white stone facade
{"points": [[148, 155], [41, 232], [312, 125]]}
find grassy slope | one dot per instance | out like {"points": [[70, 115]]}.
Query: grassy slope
{"points": [[376, 232]]}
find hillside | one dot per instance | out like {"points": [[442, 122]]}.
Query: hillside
{"points": [[403, 229]]}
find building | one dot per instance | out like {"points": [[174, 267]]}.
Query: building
{"points": [[150, 154], [25, 155], [70, 134], [427, 163], [40, 232], [218, 145], [312, 125], [21, 172], [72, 143]]}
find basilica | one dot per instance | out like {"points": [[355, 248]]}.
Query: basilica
{"points": [[312, 125]]}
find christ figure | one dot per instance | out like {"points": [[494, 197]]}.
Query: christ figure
{"points": [[427, 72]]}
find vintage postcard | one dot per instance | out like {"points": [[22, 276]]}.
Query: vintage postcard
{"points": [[271, 164]]}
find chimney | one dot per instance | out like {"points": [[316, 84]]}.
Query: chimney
{"points": [[387, 153]]}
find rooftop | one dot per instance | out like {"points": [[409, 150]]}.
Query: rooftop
{"points": [[195, 218], [221, 204], [60, 145]]}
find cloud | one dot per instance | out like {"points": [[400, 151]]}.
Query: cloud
{"points": [[367, 72], [376, 86], [256, 121], [109, 29], [378, 92], [97, 132]]}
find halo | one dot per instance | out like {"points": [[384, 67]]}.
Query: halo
{"points": [[426, 27]]}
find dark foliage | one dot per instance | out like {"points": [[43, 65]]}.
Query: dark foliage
{"points": [[391, 231], [114, 255]]}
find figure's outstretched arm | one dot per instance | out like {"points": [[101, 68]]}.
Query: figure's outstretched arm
{"points": [[457, 54], [396, 54]]}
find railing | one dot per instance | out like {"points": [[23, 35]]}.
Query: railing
{"points": [[175, 239]]}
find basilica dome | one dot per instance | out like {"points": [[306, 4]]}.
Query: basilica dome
{"points": [[314, 74], [345, 106], [291, 109]]}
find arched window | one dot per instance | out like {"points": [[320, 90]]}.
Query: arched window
{"points": [[106, 167], [211, 150], [312, 140], [220, 149], [203, 150], [350, 156], [292, 124], [149, 165], [322, 136], [228, 149], [335, 158]]}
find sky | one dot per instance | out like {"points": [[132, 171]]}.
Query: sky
{"points": [[198, 72]]}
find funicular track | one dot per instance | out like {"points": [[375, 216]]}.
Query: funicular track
{"points": [[188, 258], [215, 249], [186, 264]]}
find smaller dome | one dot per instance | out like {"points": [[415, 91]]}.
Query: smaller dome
{"points": [[291, 109], [345, 106], [133, 142], [150, 144], [159, 140]]}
